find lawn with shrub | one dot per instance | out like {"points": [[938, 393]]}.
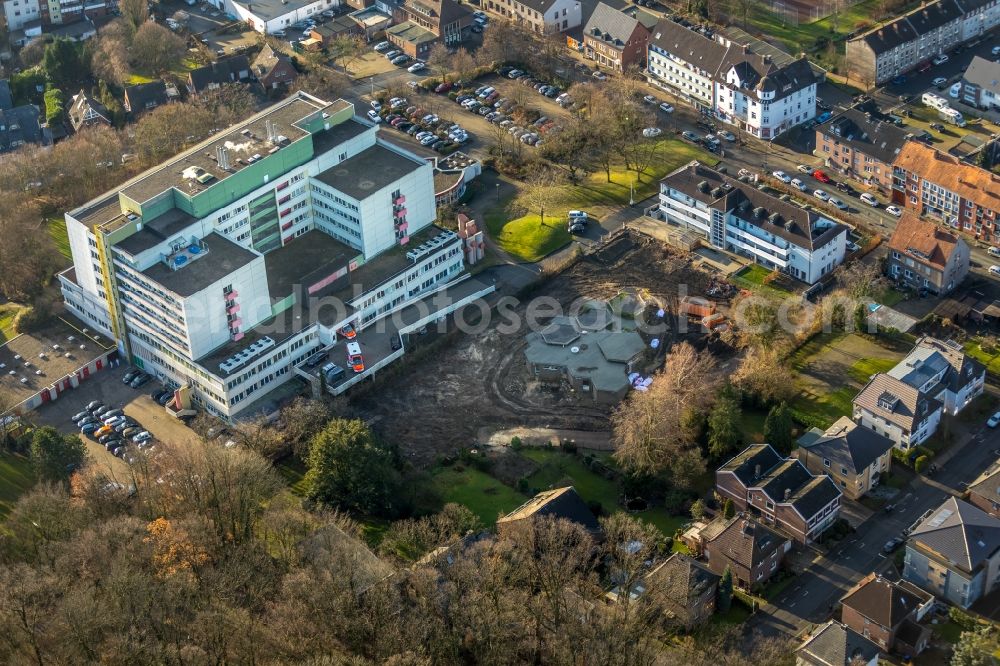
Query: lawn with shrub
{"points": [[16, 476], [57, 231], [8, 313], [482, 494]]}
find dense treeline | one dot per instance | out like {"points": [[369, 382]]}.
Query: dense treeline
{"points": [[199, 555]]}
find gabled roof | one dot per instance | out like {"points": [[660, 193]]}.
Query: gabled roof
{"points": [[846, 444], [833, 644], [86, 109], [909, 27], [988, 488], [267, 60], [540, 6], [931, 357], [222, 71], [968, 181], [804, 228], [681, 579], [757, 72], [884, 602], [558, 503], [923, 241], [611, 25], [752, 463], [983, 73], [745, 542], [961, 533], [895, 401], [20, 125], [145, 95], [865, 129]]}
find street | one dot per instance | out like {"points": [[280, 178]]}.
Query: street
{"points": [[813, 597]]}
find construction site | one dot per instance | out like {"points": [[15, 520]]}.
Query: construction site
{"points": [[455, 383]]}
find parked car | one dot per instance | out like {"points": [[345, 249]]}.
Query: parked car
{"points": [[940, 59], [140, 380], [165, 398], [130, 375], [649, 99], [400, 60], [727, 135], [939, 81], [798, 184], [143, 436], [600, 76], [869, 199], [893, 210], [993, 251], [91, 406], [820, 176], [691, 136], [838, 203], [937, 127], [846, 187], [416, 67], [892, 545], [804, 168], [782, 176], [994, 420], [666, 108], [821, 195], [88, 428], [995, 270], [651, 132], [373, 116], [77, 418]]}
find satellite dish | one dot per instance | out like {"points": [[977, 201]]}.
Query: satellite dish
{"points": [[574, 350]]}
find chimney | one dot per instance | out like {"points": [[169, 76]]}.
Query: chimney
{"points": [[756, 471], [788, 493]]}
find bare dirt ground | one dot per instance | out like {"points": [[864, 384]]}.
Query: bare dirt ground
{"points": [[438, 400]]}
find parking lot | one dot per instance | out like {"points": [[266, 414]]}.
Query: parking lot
{"points": [[107, 387]]}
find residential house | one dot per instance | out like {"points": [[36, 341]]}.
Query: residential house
{"points": [[545, 17], [954, 553], [686, 589], [833, 644], [273, 70], [924, 256], [19, 124], [891, 407], [913, 39], [980, 84], [226, 70], [750, 550], [145, 97], [861, 143], [888, 613], [557, 503], [781, 492], [939, 185], [731, 82], [338, 26], [985, 494], [853, 456], [616, 39], [737, 217], [423, 23], [941, 368], [85, 111]]}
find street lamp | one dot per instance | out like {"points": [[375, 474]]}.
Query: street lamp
{"points": [[631, 190], [372, 79], [498, 191]]}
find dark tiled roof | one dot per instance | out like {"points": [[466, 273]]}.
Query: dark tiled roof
{"points": [[988, 488], [910, 26], [20, 125], [890, 36], [833, 644], [846, 444], [745, 543], [758, 72], [811, 498], [882, 601], [932, 16], [895, 401], [267, 60], [745, 464], [866, 130], [610, 25], [782, 218], [222, 71], [960, 532], [144, 96], [559, 503], [681, 579]]}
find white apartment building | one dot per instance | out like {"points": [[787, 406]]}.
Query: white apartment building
{"points": [[730, 82], [223, 268], [739, 218], [19, 12]]}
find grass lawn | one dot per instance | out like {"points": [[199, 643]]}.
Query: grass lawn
{"points": [[478, 491], [738, 613], [991, 359], [663, 521], [557, 467], [8, 311], [864, 368], [890, 296], [186, 66], [752, 424], [949, 631], [57, 230], [16, 476], [804, 353], [294, 472], [528, 239], [811, 408]]}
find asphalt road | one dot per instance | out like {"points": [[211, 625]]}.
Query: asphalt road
{"points": [[812, 598]]}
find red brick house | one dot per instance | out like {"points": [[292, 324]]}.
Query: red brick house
{"points": [[422, 23], [986, 494], [273, 70], [617, 39], [780, 492], [888, 614], [751, 551]]}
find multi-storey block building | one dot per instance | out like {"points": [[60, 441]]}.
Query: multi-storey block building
{"points": [[915, 38], [740, 218], [545, 17], [421, 25], [861, 143], [617, 39], [954, 553], [54, 12], [731, 82], [780, 492], [223, 268], [889, 406], [939, 185]]}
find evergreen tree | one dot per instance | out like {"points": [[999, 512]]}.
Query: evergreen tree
{"points": [[724, 425], [728, 510], [55, 456], [778, 428], [725, 595]]}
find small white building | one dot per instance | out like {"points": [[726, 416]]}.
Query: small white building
{"points": [[269, 16]]}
